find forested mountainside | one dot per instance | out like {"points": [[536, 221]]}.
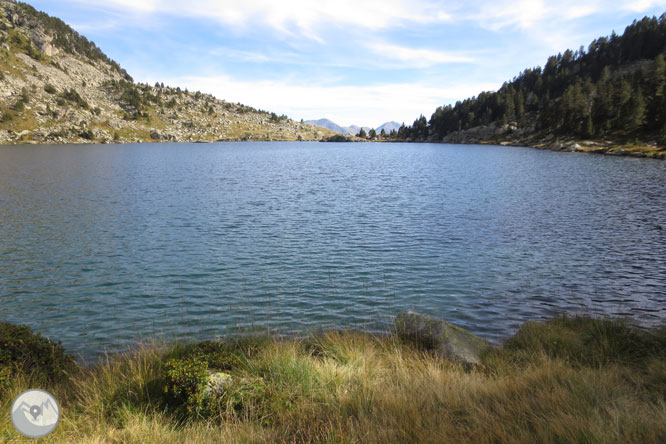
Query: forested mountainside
{"points": [[56, 86], [609, 98]]}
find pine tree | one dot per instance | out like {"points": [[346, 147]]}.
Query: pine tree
{"points": [[637, 109], [657, 84], [593, 93], [588, 128], [520, 105]]}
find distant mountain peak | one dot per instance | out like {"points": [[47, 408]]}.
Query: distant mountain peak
{"points": [[328, 124], [352, 129]]}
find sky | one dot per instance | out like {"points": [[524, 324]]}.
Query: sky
{"points": [[362, 62]]}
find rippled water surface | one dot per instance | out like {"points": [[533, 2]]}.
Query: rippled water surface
{"points": [[101, 246]]}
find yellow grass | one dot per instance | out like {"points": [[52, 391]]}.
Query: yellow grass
{"points": [[555, 382]]}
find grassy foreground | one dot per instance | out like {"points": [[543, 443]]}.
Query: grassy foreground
{"points": [[577, 380]]}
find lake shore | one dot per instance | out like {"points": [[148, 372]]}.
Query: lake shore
{"points": [[568, 379], [639, 150], [594, 147]]}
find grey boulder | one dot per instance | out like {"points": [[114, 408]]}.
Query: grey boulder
{"points": [[449, 341]]}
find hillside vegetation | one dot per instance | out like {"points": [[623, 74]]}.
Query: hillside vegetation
{"points": [[610, 97], [56, 86], [567, 380]]}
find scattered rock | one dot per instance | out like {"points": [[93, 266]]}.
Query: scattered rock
{"points": [[217, 383]]}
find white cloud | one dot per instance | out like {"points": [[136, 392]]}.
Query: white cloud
{"points": [[302, 17], [533, 14], [418, 58], [643, 5], [551, 22], [291, 16], [346, 105]]}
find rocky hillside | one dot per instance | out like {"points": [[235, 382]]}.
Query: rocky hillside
{"points": [[58, 87]]}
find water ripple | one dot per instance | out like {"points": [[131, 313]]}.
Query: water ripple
{"points": [[101, 246]]}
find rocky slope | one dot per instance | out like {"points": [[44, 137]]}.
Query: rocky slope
{"points": [[510, 134], [57, 87]]}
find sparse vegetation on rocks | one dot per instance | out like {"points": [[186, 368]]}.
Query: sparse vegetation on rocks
{"points": [[75, 89]]}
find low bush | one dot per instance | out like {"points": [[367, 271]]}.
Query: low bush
{"points": [[72, 96], [23, 352], [185, 381], [87, 134], [218, 355], [19, 106]]}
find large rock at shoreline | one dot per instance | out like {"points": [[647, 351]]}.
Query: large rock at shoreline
{"points": [[449, 341]]}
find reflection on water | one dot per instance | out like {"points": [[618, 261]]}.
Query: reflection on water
{"points": [[103, 245]]}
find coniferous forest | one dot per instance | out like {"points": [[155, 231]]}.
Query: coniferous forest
{"points": [[613, 90]]}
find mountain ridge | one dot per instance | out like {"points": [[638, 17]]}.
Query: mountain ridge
{"points": [[352, 130], [56, 86]]}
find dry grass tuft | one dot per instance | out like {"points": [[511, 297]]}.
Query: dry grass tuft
{"points": [[568, 380]]}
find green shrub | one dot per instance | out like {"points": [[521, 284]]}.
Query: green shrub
{"points": [[49, 88], [5, 377], [185, 380], [87, 134], [74, 97], [31, 354], [187, 375], [218, 355], [19, 106], [6, 117]]}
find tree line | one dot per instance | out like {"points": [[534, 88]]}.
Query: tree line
{"points": [[615, 88]]}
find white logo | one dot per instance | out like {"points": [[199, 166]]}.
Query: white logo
{"points": [[35, 413]]}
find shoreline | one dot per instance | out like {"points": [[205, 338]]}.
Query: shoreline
{"points": [[557, 380], [570, 146]]}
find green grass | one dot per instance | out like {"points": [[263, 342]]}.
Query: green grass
{"points": [[567, 380]]}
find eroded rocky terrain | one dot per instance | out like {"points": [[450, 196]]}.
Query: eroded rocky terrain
{"points": [[57, 87]]}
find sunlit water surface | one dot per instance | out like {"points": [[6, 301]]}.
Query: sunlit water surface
{"points": [[104, 246]]}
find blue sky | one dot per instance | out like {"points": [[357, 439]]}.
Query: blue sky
{"points": [[360, 62]]}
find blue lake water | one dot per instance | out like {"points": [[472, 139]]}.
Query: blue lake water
{"points": [[103, 246]]}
